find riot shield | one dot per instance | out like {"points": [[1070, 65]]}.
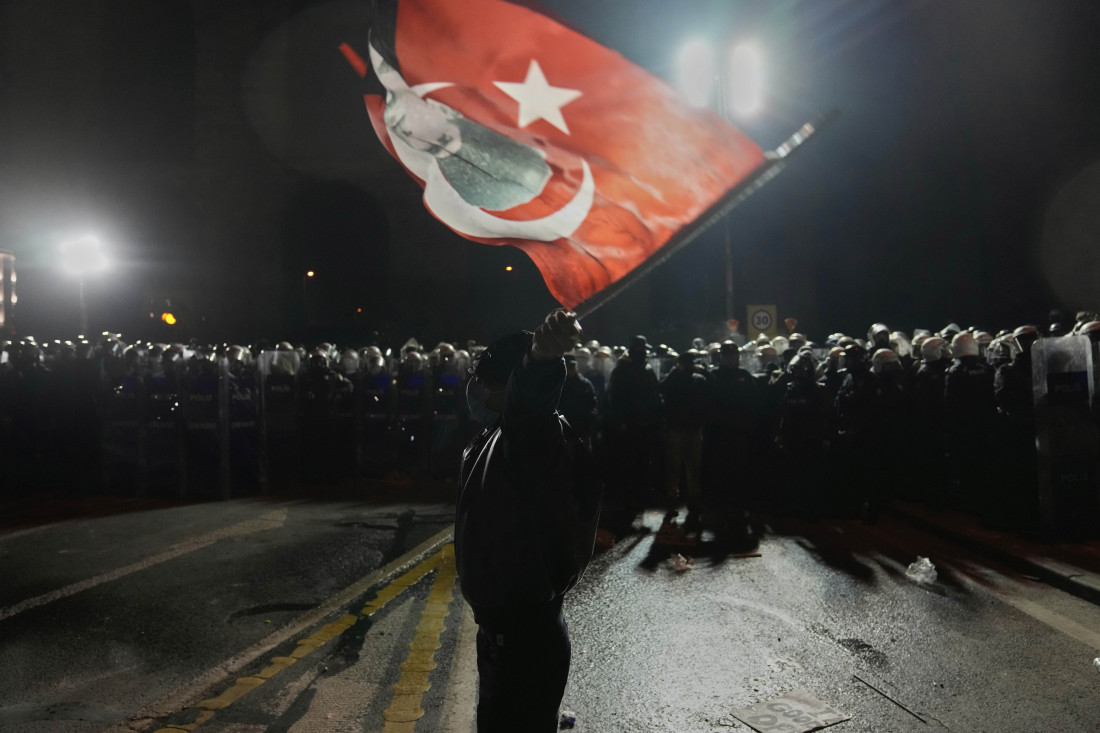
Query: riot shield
{"points": [[318, 454], [448, 425], [1066, 435], [123, 449], [202, 437], [344, 432], [279, 455], [414, 421], [163, 455], [377, 404], [244, 432], [79, 423]]}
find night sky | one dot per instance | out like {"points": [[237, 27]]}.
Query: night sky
{"points": [[221, 148]]}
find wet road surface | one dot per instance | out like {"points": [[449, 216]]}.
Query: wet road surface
{"points": [[169, 621]]}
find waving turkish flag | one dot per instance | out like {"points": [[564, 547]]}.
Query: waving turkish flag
{"points": [[525, 132]]}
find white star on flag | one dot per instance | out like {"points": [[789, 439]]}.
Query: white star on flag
{"points": [[537, 99]]}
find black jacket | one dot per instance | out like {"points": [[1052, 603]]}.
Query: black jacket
{"points": [[529, 499], [686, 397]]}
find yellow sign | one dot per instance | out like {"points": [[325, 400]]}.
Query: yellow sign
{"points": [[762, 320]]}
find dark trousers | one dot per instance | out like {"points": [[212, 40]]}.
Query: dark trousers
{"points": [[523, 664]]}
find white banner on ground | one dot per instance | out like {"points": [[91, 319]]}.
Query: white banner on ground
{"points": [[794, 712]]}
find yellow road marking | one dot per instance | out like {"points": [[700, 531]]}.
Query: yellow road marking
{"points": [[404, 709], [243, 685]]}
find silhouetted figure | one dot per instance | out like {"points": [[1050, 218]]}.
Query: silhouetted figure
{"points": [[525, 526]]}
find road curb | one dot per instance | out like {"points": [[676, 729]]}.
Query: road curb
{"points": [[191, 692], [1074, 580]]}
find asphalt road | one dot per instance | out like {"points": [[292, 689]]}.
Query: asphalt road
{"points": [[252, 616], [100, 618]]}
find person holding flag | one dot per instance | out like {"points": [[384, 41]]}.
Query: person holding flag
{"points": [[525, 525], [524, 132]]}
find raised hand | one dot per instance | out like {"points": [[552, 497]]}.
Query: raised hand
{"points": [[559, 333]]}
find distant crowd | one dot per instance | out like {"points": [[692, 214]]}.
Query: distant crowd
{"points": [[782, 423]]}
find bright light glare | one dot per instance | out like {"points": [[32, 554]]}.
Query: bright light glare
{"points": [[745, 80], [83, 255], [696, 71], [168, 318], [309, 273]]}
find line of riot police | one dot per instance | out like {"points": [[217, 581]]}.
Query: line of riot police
{"points": [[956, 418], [1004, 426], [209, 422]]}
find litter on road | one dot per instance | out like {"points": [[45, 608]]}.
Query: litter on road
{"points": [[793, 712], [922, 571], [681, 564]]}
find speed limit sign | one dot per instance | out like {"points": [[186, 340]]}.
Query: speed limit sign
{"points": [[762, 320]]}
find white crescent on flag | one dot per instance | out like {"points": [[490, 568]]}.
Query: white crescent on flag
{"points": [[446, 203]]}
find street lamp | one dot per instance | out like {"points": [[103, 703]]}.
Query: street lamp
{"points": [[309, 275], [83, 256], [7, 287], [740, 95], [739, 78], [696, 72], [743, 81]]}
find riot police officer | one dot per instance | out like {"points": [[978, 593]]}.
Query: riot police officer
{"points": [[928, 412], [800, 435], [735, 422], [414, 385], [320, 390], [969, 411]]}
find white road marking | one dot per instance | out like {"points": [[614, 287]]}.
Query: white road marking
{"points": [[270, 520], [32, 530], [1001, 588]]}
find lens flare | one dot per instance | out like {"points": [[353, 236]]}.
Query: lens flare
{"points": [[744, 80], [696, 72]]}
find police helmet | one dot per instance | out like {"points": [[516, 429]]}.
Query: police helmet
{"points": [[885, 360], [964, 344], [1092, 330], [879, 333], [801, 367], [900, 343], [1025, 336]]}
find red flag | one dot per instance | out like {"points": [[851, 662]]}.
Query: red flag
{"points": [[525, 132]]}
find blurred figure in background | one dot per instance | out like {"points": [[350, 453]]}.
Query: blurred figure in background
{"points": [[633, 420], [685, 396], [578, 401], [733, 421]]}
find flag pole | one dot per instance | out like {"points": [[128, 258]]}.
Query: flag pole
{"points": [[774, 162]]}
